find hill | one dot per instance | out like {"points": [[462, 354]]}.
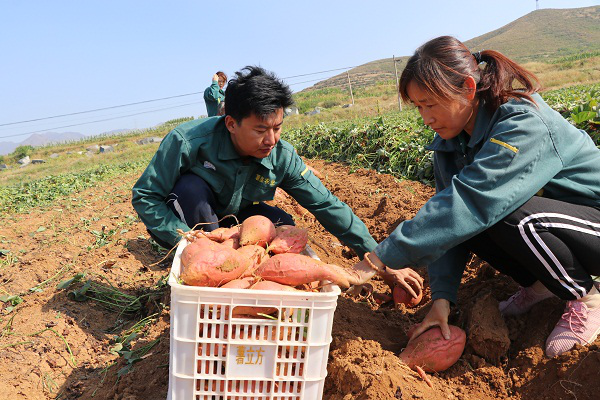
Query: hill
{"points": [[40, 139], [557, 33]]}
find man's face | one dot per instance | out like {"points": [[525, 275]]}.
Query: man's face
{"points": [[221, 82], [255, 137]]}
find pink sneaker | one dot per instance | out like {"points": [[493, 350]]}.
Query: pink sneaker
{"points": [[578, 325], [522, 301]]}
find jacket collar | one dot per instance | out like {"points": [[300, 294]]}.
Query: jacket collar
{"points": [[481, 125]]}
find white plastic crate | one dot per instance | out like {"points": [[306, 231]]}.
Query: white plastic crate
{"points": [[215, 356]]}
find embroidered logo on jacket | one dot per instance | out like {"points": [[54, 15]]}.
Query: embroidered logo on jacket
{"points": [[264, 180]]}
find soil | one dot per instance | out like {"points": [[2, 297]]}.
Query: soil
{"points": [[97, 232]]}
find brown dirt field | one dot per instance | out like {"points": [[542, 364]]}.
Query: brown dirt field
{"points": [[96, 232]]}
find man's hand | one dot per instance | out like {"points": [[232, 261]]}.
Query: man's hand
{"points": [[438, 315], [215, 78]]}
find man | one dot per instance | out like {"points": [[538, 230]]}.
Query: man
{"points": [[214, 95], [207, 169]]}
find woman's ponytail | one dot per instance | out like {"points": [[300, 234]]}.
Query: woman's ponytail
{"points": [[498, 77]]}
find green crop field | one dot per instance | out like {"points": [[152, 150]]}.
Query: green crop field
{"points": [[387, 141]]}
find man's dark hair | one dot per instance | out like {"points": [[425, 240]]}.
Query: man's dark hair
{"points": [[256, 91]]}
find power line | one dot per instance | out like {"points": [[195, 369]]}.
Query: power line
{"points": [[100, 109], [100, 120], [320, 72], [159, 99], [118, 113]]}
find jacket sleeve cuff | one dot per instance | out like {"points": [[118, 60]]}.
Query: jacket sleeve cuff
{"points": [[451, 297], [390, 255]]}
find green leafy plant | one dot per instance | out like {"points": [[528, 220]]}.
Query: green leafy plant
{"points": [[22, 151]]}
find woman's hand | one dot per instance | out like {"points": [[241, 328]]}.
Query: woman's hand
{"points": [[364, 270], [360, 273], [407, 278], [438, 315]]}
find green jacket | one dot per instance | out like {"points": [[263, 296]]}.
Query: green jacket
{"points": [[204, 148], [517, 152], [213, 95]]}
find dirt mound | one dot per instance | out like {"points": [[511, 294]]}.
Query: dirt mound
{"points": [[52, 346], [488, 334]]}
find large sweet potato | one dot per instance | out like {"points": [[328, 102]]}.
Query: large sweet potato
{"points": [[208, 263], [289, 239], [258, 230], [297, 269], [432, 352]]}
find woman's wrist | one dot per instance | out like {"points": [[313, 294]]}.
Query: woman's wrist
{"points": [[374, 262]]}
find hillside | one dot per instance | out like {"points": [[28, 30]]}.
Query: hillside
{"points": [[557, 33], [41, 139]]}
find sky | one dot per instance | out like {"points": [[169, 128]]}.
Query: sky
{"points": [[69, 57]]}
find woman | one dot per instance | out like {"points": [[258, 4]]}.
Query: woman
{"points": [[214, 95], [516, 184]]}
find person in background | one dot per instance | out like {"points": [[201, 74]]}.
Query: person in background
{"points": [[214, 94], [516, 184], [207, 169]]}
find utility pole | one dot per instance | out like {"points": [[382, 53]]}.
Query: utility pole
{"points": [[397, 84], [350, 86]]}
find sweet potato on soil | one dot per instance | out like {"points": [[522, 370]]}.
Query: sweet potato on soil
{"points": [[289, 239], [258, 230], [297, 269], [401, 296], [208, 263], [432, 352]]}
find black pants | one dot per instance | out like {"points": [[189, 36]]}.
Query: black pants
{"points": [[193, 202], [551, 241]]}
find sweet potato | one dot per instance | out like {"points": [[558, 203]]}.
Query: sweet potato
{"points": [[270, 285], [401, 296], [297, 269], [289, 239], [241, 283], [233, 242], [256, 254], [258, 230], [208, 263], [432, 352], [222, 234], [250, 311]]}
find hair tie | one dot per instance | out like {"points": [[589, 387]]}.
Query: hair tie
{"points": [[477, 56]]}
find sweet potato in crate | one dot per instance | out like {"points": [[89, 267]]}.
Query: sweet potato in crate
{"points": [[215, 354]]}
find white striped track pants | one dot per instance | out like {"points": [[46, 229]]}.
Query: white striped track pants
{"points": [[555, 242]]}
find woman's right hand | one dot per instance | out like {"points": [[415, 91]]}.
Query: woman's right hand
{"points": [[438, 315]]}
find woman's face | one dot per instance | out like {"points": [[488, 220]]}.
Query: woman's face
{"points": [[447, 118], [222, 81]]}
